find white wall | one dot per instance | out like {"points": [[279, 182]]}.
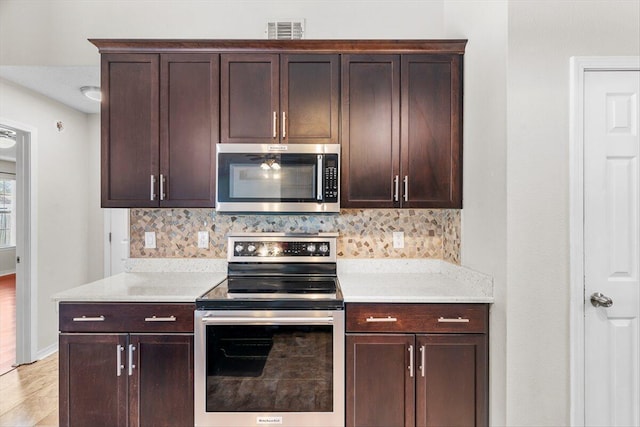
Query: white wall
{"points": [[58, 29], [62, 203], [542, 38], [484, 241], [95, 240]]}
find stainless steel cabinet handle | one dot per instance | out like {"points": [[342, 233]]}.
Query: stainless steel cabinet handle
{"points": [[131, 365], [411, 361], [162, 195], [119, 365], [160, 319], [406, 188], [381, 319], [246, 320], [395, 191], [284, 125], [275, 124], [600, 300], [423, 350], [452, 320], [152, 191], [319, 195], [89, 319]]}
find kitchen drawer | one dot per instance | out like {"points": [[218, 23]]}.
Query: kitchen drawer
{"points": [[418, 318], [126, 317]]}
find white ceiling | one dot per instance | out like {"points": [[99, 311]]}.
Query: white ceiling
{"points": [[60, 83]]}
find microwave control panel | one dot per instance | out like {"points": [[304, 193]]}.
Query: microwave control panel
{"points": [[331, 178]]}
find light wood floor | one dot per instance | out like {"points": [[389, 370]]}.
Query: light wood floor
{"points": [[7, 322], [29, 394]]}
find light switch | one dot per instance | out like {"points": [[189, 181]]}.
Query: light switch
{"points": [[203, 239], [150, 239], [398, 239]]}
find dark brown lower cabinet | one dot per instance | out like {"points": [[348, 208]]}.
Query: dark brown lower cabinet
{"points": [[411, 377], [91, 392], [452, 389], [125, 379]]}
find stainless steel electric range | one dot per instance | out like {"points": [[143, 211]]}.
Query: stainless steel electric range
{"points": [[269, 344]]}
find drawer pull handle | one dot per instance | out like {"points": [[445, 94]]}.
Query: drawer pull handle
{"points": [[381, 319], [89, 319], [452, 320], [160, 319]]}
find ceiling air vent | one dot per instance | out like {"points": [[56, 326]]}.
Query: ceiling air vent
{"points": [[285, 30]]}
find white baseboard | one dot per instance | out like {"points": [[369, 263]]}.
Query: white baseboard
{"points": [[47, 351], [7, 272]]}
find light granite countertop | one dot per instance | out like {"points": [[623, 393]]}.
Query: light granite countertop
{"points": [[412, 281], [361, 280], [144, 287]]}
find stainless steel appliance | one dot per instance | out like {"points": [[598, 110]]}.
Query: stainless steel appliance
{"points": [[287, 178], [269, 346]]}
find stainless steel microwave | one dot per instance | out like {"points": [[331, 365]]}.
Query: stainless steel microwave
{"points": [[284, 178]]}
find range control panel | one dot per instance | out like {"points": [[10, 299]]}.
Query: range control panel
{"points": [[275, 247]]}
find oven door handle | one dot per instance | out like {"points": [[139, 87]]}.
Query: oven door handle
{"points": [[268, 320]]}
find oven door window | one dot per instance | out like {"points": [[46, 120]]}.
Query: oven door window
{"points": [[269, 368], [267, 177]]}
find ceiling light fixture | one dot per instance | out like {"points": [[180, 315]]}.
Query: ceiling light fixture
{"points": [[91, 92], [6, 142], [7, 138]]}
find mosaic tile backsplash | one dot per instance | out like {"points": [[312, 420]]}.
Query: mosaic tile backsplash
{"points": [[364, 233]]}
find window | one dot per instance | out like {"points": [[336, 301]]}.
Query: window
{"points": [[7, 210]]}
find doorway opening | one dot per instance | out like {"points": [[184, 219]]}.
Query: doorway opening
{"points": [[17, 277], [8, 141]]}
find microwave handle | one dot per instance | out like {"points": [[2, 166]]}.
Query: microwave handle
{"points": [[319, 193]]}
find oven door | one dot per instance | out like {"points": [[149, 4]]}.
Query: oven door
{"points": [[269, 368], [253, 178]]}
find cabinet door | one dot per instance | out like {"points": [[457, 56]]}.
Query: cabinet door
{"points": [[130, 139], [93, 388], [161, 387], [189, 99], [370, 130], [451, 384], [309, 92], [249, 98], [431, 135], [380, 390]]}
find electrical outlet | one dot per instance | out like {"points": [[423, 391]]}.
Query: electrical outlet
{"points": [[398, 239], [203, 239], [150, 239]]}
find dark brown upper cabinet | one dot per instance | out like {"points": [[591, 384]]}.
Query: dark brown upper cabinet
{"points": [[401, 131], [394, 105], [289, 98], [370, 130], [160, 123]]}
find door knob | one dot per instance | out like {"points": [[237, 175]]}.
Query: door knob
{"points": [[598, 299]]}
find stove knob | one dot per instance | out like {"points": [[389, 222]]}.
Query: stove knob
{"points": [[324, 248], [311, 247], [239, 248], [251, 248]]}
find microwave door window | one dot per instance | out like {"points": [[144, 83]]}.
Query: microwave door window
{"points": [[282, 182]]}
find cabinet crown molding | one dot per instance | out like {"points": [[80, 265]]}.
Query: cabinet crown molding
{"points": [[318, 46]]}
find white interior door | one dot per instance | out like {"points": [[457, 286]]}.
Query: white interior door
{"points": [[612, 247], [116, 249]]}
